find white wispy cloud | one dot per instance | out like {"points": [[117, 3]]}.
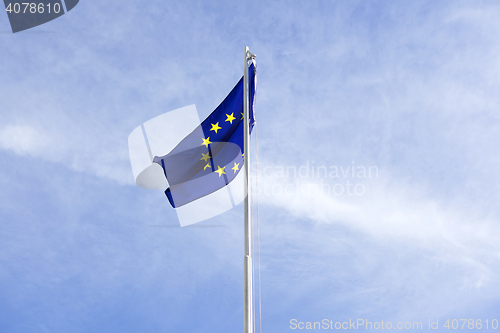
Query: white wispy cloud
{"points": [[24, 140]]}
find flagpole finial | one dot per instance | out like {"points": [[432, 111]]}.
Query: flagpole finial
{"points": [[249, 55]]}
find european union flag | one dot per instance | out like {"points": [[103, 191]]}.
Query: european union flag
{"points": [[211, 156]]}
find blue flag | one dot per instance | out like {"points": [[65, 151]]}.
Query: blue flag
{"points": [[211, 156]]}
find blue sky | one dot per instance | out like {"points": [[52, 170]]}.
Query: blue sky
{"points": [[411, 88]]}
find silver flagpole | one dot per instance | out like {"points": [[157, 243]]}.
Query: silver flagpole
{"points": [[247, 265]]}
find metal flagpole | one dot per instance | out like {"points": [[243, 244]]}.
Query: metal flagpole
{"points": [[247, 265]]}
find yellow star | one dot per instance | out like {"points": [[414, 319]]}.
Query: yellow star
{"points": [[215, 127], [235, 168], [205, 156], [220, 170], [207, 166], [230, 118], [206, 142], [242, 116]]}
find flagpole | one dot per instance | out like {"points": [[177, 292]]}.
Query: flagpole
{"points": [[247, 264]]}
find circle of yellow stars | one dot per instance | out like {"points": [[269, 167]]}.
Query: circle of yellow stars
{"points": [[206, 141]]}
